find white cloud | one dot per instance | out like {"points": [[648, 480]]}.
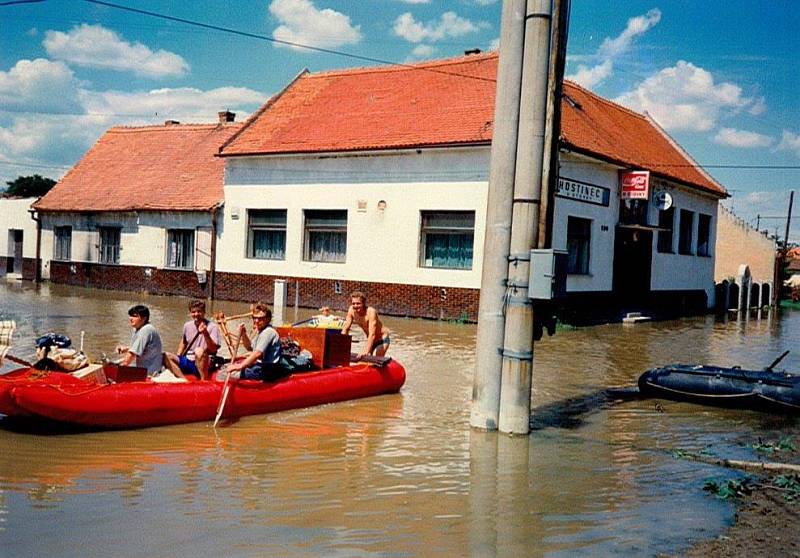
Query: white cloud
{"points": [[39, 85], [422, 52], [758, 107], [790, 142], [94, 46], [685, 97], [611, 49], [303, 23], [741, 139], [450, 25]]}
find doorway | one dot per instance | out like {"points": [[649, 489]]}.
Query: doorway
{"points": [[14, 260], [633, 255]]}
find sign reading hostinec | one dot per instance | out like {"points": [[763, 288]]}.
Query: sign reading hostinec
{"points": [[582, 191]]}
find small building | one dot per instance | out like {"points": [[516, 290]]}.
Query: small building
{"points": [[17, 239], [377, 178], [139, 210]]}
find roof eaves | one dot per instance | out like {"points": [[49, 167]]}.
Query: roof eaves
{"points": [[257, 114], [364, 149]]}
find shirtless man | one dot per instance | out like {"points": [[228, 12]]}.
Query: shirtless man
{"points": [[367, 317]]}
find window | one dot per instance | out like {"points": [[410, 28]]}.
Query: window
{"points": [[109, 244], [180, 248], [666, 222], [266, 234], [62, 247], [325, 235], [447, 238], [685, 238], [579, 235], [703, 234]]}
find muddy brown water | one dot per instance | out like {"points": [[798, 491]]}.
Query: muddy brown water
{"points": [[397, 475]]}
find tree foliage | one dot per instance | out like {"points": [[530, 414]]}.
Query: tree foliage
{"points": [[29, 186]]}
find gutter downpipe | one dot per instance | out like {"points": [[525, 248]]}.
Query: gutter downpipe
{"points": [[212, 273], [517, 368], [491, 320], [37, 278]]}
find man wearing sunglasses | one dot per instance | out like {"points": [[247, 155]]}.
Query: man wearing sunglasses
{"points": [[262, 361]]}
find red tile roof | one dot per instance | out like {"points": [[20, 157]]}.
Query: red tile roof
{"points": [[445, 103], [170, 167]]}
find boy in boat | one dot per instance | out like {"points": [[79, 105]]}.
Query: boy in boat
{"points": [[263, 359], [145, 350], [378, 336], [200, 340]]}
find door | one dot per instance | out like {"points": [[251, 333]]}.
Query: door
{"points": [[633, 255], [16, 252]]}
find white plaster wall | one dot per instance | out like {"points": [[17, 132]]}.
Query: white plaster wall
{"points": [[14, 215], [382, 246], [684, 271], [604, 220], [143, 238]]}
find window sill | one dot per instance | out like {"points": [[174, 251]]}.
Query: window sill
{"points": [[445, 268], [685, 254], [320, 262], [704, 256], [666, 252], [266, 259]]}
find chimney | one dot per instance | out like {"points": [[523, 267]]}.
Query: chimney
{"points": [[226, 116], [472, 51], [171, 123]]}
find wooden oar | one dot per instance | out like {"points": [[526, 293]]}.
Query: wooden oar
{"points": [[225, 388], [12, 358], [372, 359]]}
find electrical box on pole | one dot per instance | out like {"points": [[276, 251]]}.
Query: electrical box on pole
{"points": [[548, 274]]}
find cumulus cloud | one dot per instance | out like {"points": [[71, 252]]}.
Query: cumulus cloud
{"points": [[449, 25], [612, 48], [790, 142], [686, 97], [94, 46], [421, 52], [303, 23], [39, 85], [741, 139]]}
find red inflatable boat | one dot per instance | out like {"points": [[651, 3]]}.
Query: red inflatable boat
{"points": [[147, 403], [26, 377]]}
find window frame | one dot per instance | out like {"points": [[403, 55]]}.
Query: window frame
{"points": [[586, 259], [704, 246], [309, 231], [686, 234], [663, 234], [273, 228], [189, 251], [116, 248], [58, 243], [426, 231]]}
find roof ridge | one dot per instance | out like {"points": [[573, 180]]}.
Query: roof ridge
{"points": [[606, 101], [400, 66], [171, 127]]}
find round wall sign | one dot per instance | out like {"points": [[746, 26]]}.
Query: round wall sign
{"points": [[662, 200]]}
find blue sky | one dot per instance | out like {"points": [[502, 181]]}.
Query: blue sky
{"points": [[721, 77]]}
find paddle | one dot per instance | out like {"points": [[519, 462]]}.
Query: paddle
{"points": [[776, 361], [225, 388], [12, 358], [379, 360]]}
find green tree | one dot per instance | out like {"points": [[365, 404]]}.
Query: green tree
{"points": [[29, 186]]}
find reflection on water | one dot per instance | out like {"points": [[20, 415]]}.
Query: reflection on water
{"points": [[398, 475]]}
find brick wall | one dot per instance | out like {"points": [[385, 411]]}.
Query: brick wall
{"points": [[28, 267], [390, 298], [739, 243]]}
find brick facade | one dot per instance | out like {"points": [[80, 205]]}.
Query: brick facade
{"points": [[28, 267], [421, 301]]}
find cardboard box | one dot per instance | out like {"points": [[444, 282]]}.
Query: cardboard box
{"points": [[91, 374]]}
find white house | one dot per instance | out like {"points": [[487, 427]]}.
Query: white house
{"points": [[17, 238]]}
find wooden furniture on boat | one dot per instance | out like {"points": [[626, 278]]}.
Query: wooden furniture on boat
{"points": [[328, 347]]}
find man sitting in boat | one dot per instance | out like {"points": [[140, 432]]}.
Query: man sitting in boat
{"points": [[262, 361], [378, 339], [200, 340], [145, 350]]}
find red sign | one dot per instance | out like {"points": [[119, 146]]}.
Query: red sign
{"points": [[634, 185]]}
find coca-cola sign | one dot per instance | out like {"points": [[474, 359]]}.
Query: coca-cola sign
{"points": [[634, 185]]}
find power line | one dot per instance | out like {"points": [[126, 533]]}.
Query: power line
{"points": [[282, 42]]}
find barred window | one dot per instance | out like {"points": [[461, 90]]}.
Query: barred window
{"points": [[62, 245], [325, 235], [703, 234], [666, 224], [686, 226], [180, 248], [109, 244], [447, 239], [266, 234], [579, 236]]}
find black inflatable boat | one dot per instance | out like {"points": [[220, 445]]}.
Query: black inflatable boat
{"points": [[762, 390]]}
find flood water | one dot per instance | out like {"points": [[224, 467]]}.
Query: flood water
{"points": [[396, 475]]}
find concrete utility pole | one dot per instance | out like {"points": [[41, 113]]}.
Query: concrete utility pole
{"points": [[486, 384], [517, 370], [788, 224]]}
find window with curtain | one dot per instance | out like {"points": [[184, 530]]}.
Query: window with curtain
{"points": [[180, 248], [666, 222], [685, 232], [62, 247], [447, 239], [703, 235], [325, 235], [579, 236], [266, 234], [109, 244]]}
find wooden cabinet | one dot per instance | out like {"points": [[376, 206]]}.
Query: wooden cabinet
{"points": [[328, 347]]}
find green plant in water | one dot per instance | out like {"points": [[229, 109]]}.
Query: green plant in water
{"points": [[728, 489], [784, 444]]}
